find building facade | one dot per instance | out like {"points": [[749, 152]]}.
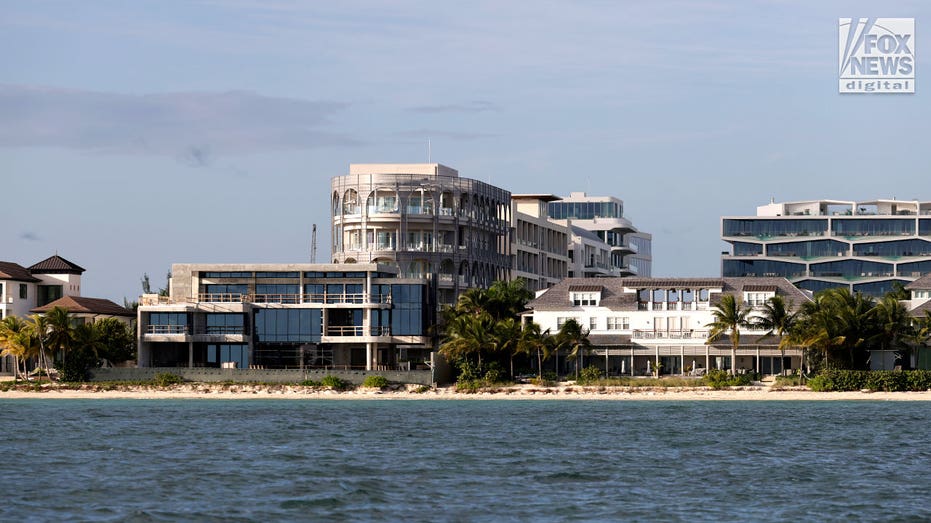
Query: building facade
{"points": [[286, 316], [636, 323], [865, 246], [425, 220], [539, 246], [629, 251]]}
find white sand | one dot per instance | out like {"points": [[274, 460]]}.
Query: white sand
{"points": [[516, 392]]}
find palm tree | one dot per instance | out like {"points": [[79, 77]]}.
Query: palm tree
{"points": [[37, 330], [506, 336], [60, 331], [468, 336], [532, 340], [920, 333], [837, 322], [729, 318], [777, 320], [14, 341], [893, 324], [574, 338]]}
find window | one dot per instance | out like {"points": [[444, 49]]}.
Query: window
{"points": [[224, 323], [618, 323], [585, 298], [757, 299], [48, 293], [592, 323], [560, 321], [22, 291]]}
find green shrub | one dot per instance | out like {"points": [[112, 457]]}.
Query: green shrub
{"points": [[719, 379], [589, 375], [375, 381], [833, 380], [334, 383], [549, 375], [309, 383], [165, 379], [421, 389], [494, 375]]}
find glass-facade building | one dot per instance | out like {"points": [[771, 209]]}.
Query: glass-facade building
{"points": [[628, 251], [265, 316], [865, 246]]}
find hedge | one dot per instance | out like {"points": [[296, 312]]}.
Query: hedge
{"points": [[875, 380]]}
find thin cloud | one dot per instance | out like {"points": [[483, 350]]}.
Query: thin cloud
{"points": [[166, 123], [476, 106], [29, 236]]}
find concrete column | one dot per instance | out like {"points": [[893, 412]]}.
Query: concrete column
{"points": [[368, 356], [190, 354]]}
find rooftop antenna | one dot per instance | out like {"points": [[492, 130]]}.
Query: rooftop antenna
{"points": [[313, 244], [429, 152]]}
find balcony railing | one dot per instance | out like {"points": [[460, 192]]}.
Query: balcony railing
{"points": [[222, 297], [682, 334], [166, 329], [347, 330], [224, 329]]}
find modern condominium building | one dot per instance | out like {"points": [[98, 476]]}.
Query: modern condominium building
{"points": [[866, 246], [425, 220], [539, 245], [286, 316], [629, 251]]}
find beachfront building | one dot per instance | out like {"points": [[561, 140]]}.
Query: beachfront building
{"points": [[623, 251], [539, 246], [287, 316], [636, 323], [866, 246], [425, 220], [89, 310]]}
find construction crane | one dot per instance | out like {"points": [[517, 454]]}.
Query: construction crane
{"points": [[313, 244]]}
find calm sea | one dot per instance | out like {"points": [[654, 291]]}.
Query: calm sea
{"points": [[296, 460]]}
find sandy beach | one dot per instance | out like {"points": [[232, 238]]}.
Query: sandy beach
{"points": [[515, 392]]}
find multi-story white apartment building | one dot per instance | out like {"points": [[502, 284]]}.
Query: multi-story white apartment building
{"points": [[866, 246], [426, 220], [286, 316], [539, 245], [635, 323], [628, 252]]}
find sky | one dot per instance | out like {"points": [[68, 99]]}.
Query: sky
{"points": [[134, 135]]}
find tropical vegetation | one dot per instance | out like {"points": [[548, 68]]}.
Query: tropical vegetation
{"points": [[483, 334], [58, 340]]}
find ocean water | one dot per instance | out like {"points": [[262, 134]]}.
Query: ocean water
{"points": [[298, 460]]}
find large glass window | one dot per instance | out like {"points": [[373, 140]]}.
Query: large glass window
{"points": [[585, 210], [278, 274], [769, 228], [407, 311], [894, 249], [878, 288], [747, 249], [168, 323], [46, 294], [277, 293], [314, 292], [226, 274], [287, 325], [809, 249], [381, 322], [334, 292], [915, 268], [228, 353], [737, 268], [225, 323], [873, 227], [924, 227], [851, 269], [221, 292], [818, 285], [382, 201]]}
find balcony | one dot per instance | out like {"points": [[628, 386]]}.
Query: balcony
{"points": [[166, 329], [222, 298], [345, 330], [682, 334]]}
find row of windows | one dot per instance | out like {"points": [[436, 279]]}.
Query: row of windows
{"points": [[585, 210], [839, 227], [294, 274], [671, 295]]}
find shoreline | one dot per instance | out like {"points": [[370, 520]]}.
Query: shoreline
{"points": [[514, 392]]}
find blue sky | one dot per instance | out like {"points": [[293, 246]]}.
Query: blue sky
{"points": [[138, 134]]}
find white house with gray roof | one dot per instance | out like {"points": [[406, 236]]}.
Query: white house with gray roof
{"points": [[635, 323]]}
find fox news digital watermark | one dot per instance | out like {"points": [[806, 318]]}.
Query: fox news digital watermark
{"points": [[876, 55]]}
